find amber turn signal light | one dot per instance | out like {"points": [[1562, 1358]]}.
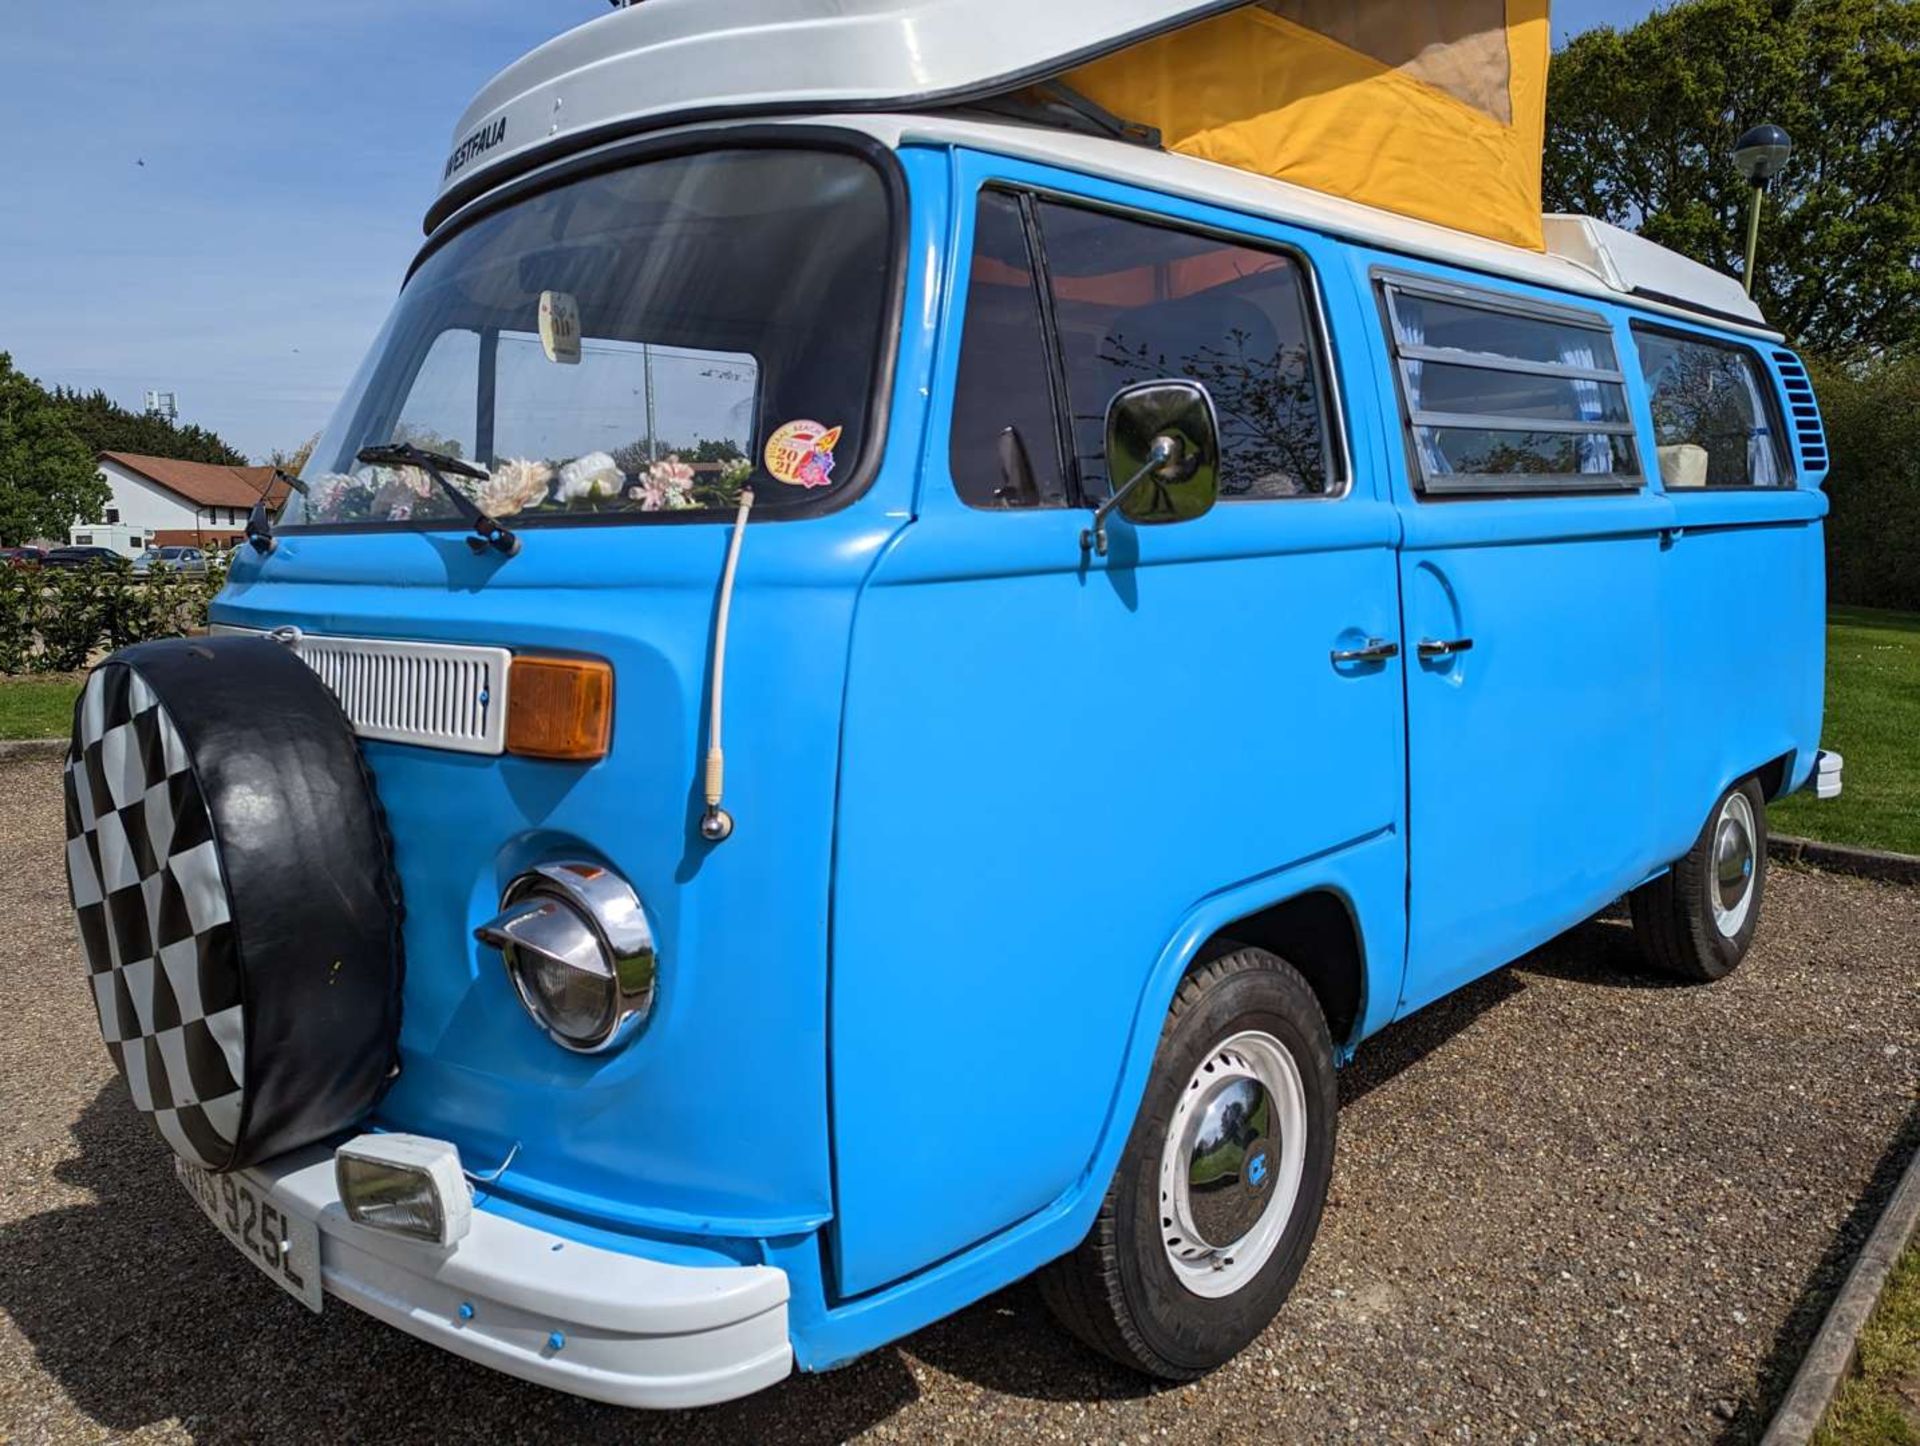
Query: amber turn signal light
{"points": [[559, 708]]}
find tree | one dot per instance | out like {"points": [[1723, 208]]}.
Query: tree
{"points": [[47, 476], [106, 426], [635, 455], [292, 462], [1640, 131], [47, 473]]}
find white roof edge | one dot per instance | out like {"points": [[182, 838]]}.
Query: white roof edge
{"points": [[1618, 260], [1584, 256]]}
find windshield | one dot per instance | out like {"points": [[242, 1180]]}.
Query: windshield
{"points": [[627, 345]]}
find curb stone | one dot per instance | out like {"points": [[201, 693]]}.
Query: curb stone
{"points": [[1829, 1359], [12, 748], [1846, 859]]}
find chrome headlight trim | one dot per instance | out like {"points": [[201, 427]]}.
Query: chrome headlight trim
{"points": [[601, 928]]}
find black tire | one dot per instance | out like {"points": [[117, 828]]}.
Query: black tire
{"points": [[233, 880], [1674, 917], [1118, 1291]]}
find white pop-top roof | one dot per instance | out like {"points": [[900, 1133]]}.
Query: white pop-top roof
{"points": [[663, 59], [663, 63]]}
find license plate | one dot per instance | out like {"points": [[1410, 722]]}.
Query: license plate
{"points": [[285, 1247]]}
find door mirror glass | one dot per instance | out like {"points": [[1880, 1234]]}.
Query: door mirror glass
{"points": [[1163, 452]]}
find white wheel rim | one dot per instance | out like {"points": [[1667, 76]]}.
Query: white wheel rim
{"points": [[1231, 1166], [1733, 866]]}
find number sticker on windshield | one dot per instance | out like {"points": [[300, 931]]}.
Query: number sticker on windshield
{"points": [[801, 453], [560, 327]]}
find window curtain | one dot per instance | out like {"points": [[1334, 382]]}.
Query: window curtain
{"points": [[1596, 448], [1413, 332], [1763, 458]]}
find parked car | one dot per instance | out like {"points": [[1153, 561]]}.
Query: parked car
{"points": [[82, 557], [23, 556], [189, 560], [1175, 625]]}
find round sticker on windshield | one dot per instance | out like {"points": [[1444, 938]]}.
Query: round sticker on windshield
{"points": [[801, 453]]}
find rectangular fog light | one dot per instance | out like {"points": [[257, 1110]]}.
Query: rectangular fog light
{"points": [[406, 1184]]}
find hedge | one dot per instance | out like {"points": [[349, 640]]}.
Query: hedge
{"points": [[1873, 529], [53, 620]]}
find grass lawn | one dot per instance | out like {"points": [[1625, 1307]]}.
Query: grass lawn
{"points": [[1873, 720], [1880, 1405], [37, 707]]}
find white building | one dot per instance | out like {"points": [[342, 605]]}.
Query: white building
{"points": [[159, 502]]}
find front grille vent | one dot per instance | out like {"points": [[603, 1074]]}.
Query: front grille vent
{"points": [[437, 695], [1809, 436]]}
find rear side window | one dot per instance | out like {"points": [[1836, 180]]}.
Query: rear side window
{"points": [[1713, 425], [1118, 301], [1506, 395]]}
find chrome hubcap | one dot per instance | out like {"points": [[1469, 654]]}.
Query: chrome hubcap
{"points": [[1230, 1169], [1733, 865]]}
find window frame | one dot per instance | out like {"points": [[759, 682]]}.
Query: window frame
{"points": [[1786, 452], [1029, 195], [1389, 282]]}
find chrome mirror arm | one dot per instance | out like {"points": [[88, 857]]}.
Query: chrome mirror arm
{"points": [[1165, 448]]}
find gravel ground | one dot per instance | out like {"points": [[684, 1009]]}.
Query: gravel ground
{"points": [[1571, 1204]]}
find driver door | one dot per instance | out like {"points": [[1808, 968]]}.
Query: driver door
{"points": [[1049, 757]]}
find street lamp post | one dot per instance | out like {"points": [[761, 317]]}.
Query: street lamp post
{"points": [[1759, 155]]}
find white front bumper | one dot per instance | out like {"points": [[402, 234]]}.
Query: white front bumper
{"points": [[632, 1331]]}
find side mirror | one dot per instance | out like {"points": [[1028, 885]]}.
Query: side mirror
{"points": [[260, 528], [1164, 439]]}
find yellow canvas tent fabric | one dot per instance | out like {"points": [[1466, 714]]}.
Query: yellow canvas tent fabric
{"points": [[1431, 108]]}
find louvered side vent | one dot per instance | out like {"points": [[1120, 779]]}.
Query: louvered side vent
{"points": [[437, 695], [1809, 436]]}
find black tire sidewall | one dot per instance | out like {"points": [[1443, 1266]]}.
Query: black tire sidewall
{"points": [[1722, 953], [1188, 1332]]}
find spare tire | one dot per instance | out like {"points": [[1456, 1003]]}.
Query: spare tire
{"points": [[233, 878]]}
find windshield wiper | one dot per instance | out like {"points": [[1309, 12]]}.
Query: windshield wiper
{"points": [[489, 532]]}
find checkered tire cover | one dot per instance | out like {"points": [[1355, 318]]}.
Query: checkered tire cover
{"points": [[233, 882]]}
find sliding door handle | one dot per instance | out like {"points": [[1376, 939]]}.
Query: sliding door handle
{"points": [[1444, 647], [1374, 650]]}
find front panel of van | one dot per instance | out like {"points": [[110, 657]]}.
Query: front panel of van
{"points": [[711, 1123]]}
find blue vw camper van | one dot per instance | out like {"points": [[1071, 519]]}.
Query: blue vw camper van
{"points": [[883, 672]]}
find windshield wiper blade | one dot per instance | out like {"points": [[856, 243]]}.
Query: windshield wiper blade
{"points": [[489, 532]]}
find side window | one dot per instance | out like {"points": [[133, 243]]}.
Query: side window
{"points": [[1134, 301], [1507, 395], [1005, 448], [1712, 422]]}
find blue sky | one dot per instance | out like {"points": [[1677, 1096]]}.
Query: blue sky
{"points": [[289, 152]]}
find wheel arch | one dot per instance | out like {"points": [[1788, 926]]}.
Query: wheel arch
{"points": [[1318, 933], [1776, 776]]}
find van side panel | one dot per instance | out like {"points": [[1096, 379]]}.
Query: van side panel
{"points": [[1746, 649], [1743, 607], [1532, 752], [1534, 759]]}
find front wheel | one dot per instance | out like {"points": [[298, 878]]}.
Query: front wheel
{"points": [[1218, 1195], [1697, 920]]}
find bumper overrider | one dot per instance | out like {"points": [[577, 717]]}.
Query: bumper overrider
{"points": [[591, 1322]]}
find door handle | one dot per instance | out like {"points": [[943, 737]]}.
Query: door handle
{"points": [[1444, 647], [1374, 650]]}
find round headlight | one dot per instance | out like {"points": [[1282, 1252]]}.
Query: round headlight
{"points": [[577, 947]]}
